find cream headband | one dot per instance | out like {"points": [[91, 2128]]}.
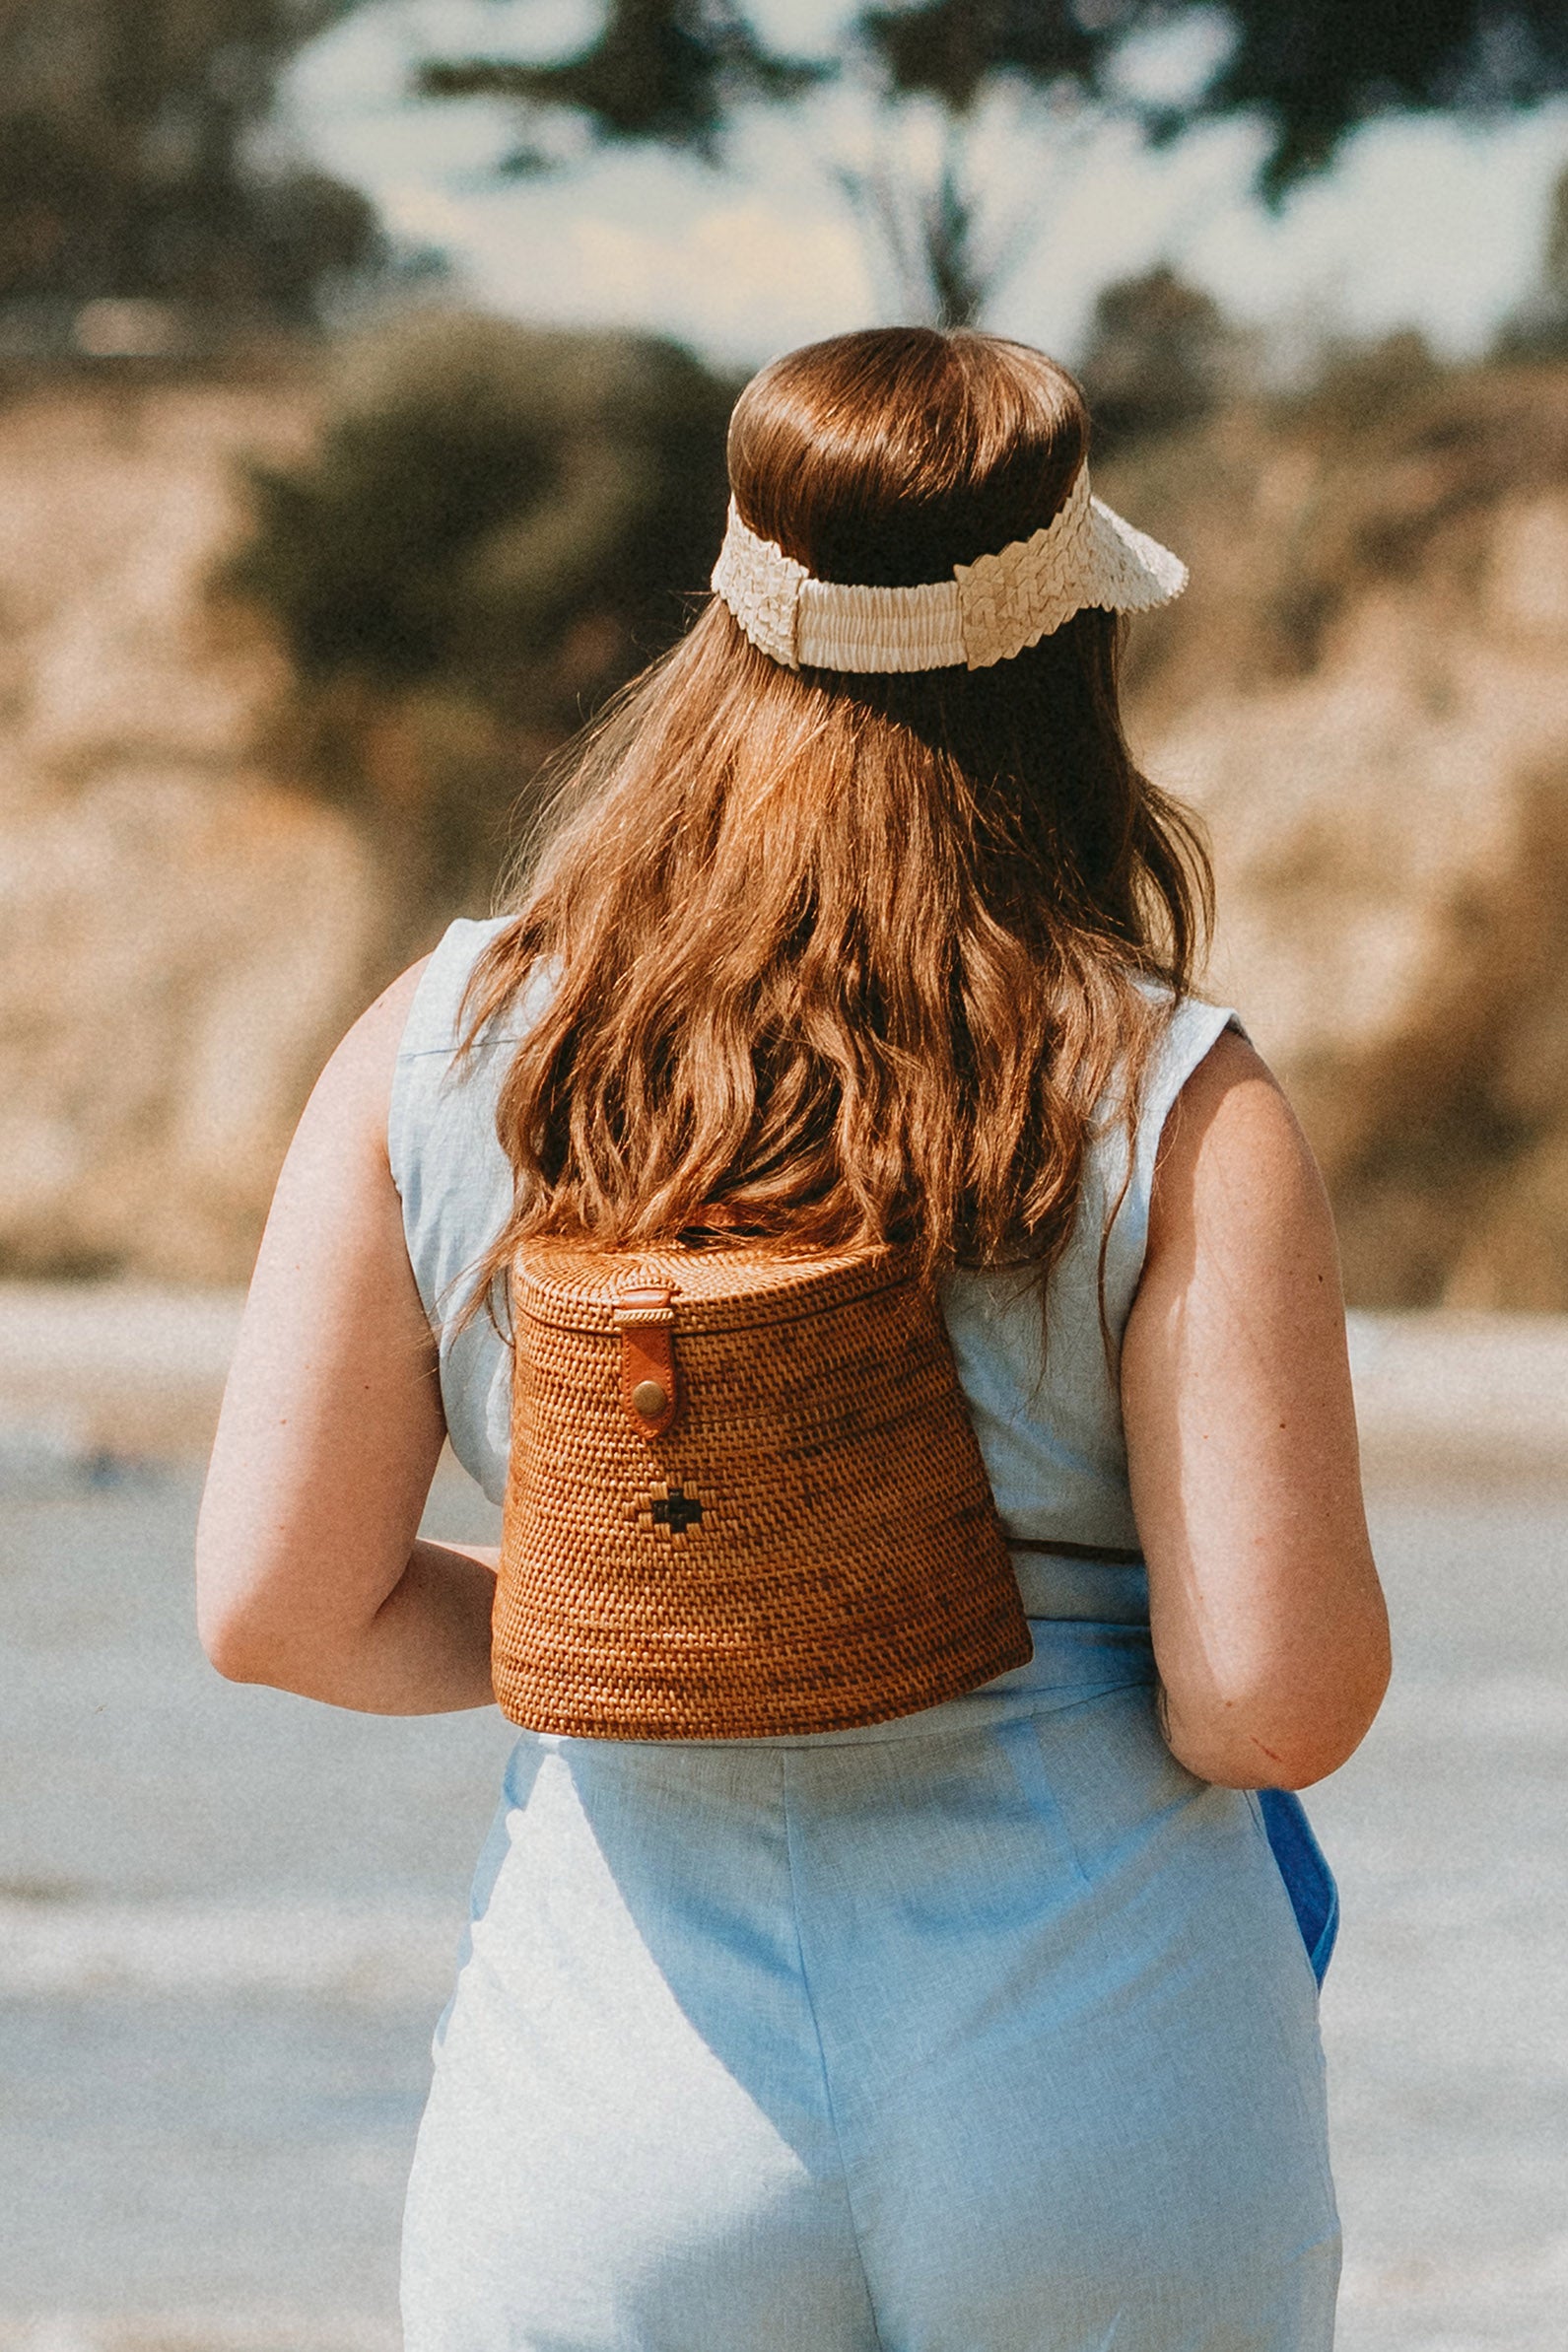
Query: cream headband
{"points": [[989, 610]]}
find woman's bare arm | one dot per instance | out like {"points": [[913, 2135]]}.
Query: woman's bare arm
{"points": [[309, 1573], [1269, 1628]]}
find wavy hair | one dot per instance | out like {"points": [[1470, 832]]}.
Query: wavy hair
{"points": [[834, 958]]}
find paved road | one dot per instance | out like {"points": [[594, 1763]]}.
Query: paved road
{"points": [[227, 1920]]}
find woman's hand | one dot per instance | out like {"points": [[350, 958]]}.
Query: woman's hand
{"points": [[309, 1575], [1269, 1628]]}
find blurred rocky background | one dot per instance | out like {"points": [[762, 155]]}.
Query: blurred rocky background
{"points": [[307, 566]]}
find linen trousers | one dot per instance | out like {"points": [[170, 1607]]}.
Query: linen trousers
{"points": [[989, 2030]]}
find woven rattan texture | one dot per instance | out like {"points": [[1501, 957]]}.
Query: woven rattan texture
{"points": [[813, 1545], [719, 1288]]}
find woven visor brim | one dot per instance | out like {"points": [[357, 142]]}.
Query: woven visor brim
{"points": [[1145, 573], [1089, 559]]}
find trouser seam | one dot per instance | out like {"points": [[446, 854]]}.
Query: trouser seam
{"points": [[822, 2055]]}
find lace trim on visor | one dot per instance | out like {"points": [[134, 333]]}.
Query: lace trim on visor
{"points": [[989, 611]]}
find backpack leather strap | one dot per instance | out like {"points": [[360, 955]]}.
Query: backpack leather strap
{"points": [[650, 1382]]}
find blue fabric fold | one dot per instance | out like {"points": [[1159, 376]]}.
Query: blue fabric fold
{"points": [[1309, 1881]]}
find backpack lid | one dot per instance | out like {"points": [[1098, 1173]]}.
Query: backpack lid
{"points": [[570, 1286]]}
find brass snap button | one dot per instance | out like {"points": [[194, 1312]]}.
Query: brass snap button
{"points": [[650, 1399]]}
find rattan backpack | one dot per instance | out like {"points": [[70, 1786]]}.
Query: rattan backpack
{"points": [[745, 1499]]}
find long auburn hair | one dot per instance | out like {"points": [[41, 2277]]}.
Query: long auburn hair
{"points": [[840, 959]]}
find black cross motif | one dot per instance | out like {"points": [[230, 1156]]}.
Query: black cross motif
{"points": [[676, 1511]]}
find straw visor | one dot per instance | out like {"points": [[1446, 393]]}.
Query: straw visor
{"points": [[989, 611]]}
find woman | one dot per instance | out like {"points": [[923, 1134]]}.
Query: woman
{"points": [[992, 2027]]}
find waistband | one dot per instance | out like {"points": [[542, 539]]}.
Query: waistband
{"points": [[1109, 1588]]}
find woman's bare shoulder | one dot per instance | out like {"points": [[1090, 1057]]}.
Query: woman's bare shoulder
{"points": [[1232, 1062], [356, 1086], [1231, 1137]]}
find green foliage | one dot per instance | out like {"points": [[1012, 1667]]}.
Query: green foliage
{"points": [[664, 71], [673, 72], [951, 49], [499, 525], [482, 491], [127, 163], [1314, 69], [1160, 354]]}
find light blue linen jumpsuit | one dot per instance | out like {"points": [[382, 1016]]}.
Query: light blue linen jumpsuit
{"points": [[987, 2030]]}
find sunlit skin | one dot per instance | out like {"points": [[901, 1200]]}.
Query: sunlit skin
{"points": [[1269, 1628], [308, 1572]]}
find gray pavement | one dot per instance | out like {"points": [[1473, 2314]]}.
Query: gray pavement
{"points": [[228, 1917]]}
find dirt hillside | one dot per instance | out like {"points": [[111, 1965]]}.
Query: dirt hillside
{"points": [[183, 935], [1365, 692]]}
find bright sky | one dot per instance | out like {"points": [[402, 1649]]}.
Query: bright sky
{"points": [[1422, 223]]}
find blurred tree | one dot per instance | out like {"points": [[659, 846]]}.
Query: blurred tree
{"points": [[133, 164], [1538, 328], [951, 58], [1314, 70], [675, 72], [499, 525], [1160, 353], [667, 71], [1362, 390], [1554, 260]]}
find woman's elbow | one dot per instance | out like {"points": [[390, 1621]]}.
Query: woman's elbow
{"points": [[1230, 1756], [1264, 1739], [1303, 1760], [250, 1649], [243, 1636], [233, 1644]]}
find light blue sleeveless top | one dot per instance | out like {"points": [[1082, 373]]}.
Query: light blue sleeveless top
{"points": [[1047, 1418], [1051, 1434]]}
